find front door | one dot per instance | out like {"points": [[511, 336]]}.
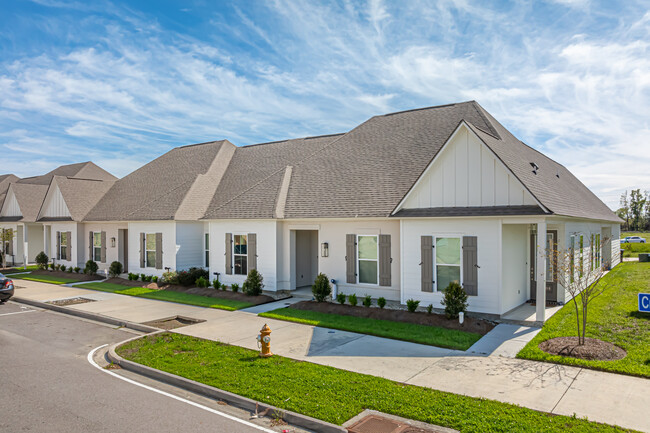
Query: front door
{"points": [[551, 268]]}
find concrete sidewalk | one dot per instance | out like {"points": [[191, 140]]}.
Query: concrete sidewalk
{"points": [[603, 397]]}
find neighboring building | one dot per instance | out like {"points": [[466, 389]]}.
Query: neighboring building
{"points": [[397, 207]]}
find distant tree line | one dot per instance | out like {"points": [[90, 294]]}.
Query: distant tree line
{"points": [[635, 210]]}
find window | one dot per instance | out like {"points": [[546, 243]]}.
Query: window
{"points": [[368, 259], [97, 246], [150, 250], [550, 257], [580, 256], [597, 252], [572, 265], [240, 253], [63, 245], [448, 253], [207, 250]]}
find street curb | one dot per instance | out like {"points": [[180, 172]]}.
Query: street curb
{"points": [[218, 394], [87, 315]]}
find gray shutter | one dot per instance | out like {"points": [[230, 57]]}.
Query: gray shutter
{"points": [[90, 246], [159, 251], [426, 263], [142, 250], [384, 260], [58, 245], [69, 236], [229, 253], [252, 251], [470, 265], [351, 258], [103, 253]]}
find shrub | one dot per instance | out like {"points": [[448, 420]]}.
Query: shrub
{"points": [[202, 282], [454, 300], [340, 297], [189, 277], [367, 301], [223, 286], [412, 305], [133, 277], [62, 268], [70, 269], [52, 266], [155, 279], [352, 299], [77, 269], [253, 284], [143, 277], [381, 302], [41, 260], [429, 308], [234, 287], [216, 284], [115, 269], [168, 278], [91, 268], [58, 267], [321, 288]]}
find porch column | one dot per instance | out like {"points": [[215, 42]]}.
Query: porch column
{"points": [[541, 272], [25, 245]]}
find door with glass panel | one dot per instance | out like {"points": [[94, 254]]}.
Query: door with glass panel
{"points": [[551, 266]]}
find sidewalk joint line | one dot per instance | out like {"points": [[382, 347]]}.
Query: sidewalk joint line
{"points": [[567, 390]]}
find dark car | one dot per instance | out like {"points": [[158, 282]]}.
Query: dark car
{"points": [[6, 289]]}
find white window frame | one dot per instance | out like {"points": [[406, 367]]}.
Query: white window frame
{"points": [[581, 249], [368, 260], [61, 246], [234, 255], [435, 258], [572, 252], [146, 251], [206, 249], [97, 257]]}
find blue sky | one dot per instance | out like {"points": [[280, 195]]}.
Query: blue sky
{"points": [[121, 83]]}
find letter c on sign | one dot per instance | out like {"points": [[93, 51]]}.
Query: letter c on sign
{"points": [[645, 302]]}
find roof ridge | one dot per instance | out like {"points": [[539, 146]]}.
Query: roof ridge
{"points": [[426, 108], [482, 115], [292, 139], [199, 144]]}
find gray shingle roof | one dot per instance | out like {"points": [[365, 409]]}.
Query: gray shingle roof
{"points": [[30, 198], [441, 212], [156, 190], [81, 194], [81, 170]]}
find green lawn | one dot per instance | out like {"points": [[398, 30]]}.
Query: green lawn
{"points": [[163, 295], [21, 269], [335, 395], [633, 250], [44, 279], [613, 317], [431, 335], [644, 235]]}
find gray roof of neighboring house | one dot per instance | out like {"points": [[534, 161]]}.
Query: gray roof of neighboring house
{"points": [[81, 170], [5, 181], [156, 190], [30, 198], [81, 195]]}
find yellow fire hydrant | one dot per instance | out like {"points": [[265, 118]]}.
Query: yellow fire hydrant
{"points": [[264, 339]]}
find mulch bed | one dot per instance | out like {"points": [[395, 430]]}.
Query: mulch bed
{"points": [[72, 301], [592, 350], [210, 292], [471, 324], [69, 275], [172, 323]]}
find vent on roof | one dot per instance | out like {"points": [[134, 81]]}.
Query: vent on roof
{"points": [[557, 174], [535, 167]]}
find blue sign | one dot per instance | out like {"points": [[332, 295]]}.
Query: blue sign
{"points": [[644, 302]]}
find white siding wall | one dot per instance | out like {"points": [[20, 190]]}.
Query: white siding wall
{"points": [[515, 287], [266, 249], [466, 173], [488, 232], [35, 240], [77, 258], [189, 245], [55, 205], [168, 230], [111, 230], [10, 206]]}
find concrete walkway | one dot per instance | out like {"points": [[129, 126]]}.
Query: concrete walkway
{"points": [[485, 370]]}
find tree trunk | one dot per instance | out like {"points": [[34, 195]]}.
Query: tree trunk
{"points": [[575, 303]]}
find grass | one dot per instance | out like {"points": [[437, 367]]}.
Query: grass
{"points": [[163, 295], [431, 335], [644, 235], [44, 279], [20, 269], [633, 250], [613, 317], [335, 395]]}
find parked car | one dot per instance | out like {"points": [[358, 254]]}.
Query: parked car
{"points": [[6, 288], [633, 240]]}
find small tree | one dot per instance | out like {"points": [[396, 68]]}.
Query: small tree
{"points": [[579, 271], [6, 236], [253, 284], [41, 260], [454, 300], [91, 267], [321, 288], [115, 269]]}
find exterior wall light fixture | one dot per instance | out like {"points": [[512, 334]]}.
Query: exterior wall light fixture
{"points": [[324, 249]]}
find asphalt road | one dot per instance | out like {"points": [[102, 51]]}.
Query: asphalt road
{"points": [[48, 385]]}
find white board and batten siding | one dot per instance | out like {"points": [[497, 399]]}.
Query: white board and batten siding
{"points": [[266, 236], [10, 208], [55, 206], [488, 236], [467, 173], [169, 247], [190, 244]]}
